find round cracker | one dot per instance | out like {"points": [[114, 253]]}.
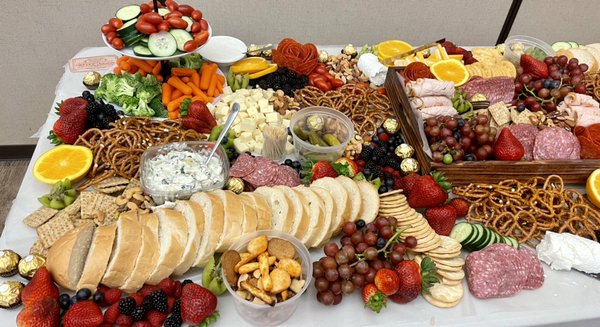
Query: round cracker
{"points": [[426, 247], [452, 262], [439, 304], [393, 206], [441, 256], [448, 245], [454, 275], [447, 281], [442, 266], [446, 293], [390, 193]]}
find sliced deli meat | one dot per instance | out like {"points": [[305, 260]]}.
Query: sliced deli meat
{"points": [[496, 89], [555, 143], [243, 166], [526, 134]]}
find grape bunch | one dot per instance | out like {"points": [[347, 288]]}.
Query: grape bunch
{"points": [[454, 138], [564, 76], [365, 249]]}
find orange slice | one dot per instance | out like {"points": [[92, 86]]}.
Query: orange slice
{"points": [[450, 70], [592, 187], [391, 48], [64, 161]]}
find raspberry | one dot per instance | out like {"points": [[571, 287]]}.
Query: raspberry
{"points": [[156, 318], [112, 295], [138, 299], [112, 313], [384, 137], [124, 320], [148, 289], [143, 323]]}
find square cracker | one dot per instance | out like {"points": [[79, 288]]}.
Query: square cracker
{"points": [[88, 203], [38, 248], [54, 229], [523, 117], [500, 113], [75, 207], [39, 217], [111, 182], [107, 205]]}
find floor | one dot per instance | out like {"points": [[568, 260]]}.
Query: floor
{"points": [[11, 175]]}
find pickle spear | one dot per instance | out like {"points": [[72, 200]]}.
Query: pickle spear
{"points": [[331, 139]]}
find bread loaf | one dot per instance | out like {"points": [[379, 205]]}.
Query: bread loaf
{"points": [[126, 247], [213, 226], [97, 258], [148, 255], [172, 237]]}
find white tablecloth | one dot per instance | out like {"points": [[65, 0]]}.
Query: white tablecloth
{"points": [[565, 296]]}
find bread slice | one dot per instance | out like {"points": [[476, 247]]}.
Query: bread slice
{"points": [[585, 57], [250, 214], [300, 219], [281, 213], [213, 225], [234, 215], [148, 257], [329, 209], [340, 198], [97, 258], [594, 50], [126, 247], [67, 256], [194, 216], [370, 201], [263, 212], [316, 213], [353, 193], [172, 237]]}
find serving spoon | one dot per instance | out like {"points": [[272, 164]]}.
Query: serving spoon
{"points": [[235, 110]]}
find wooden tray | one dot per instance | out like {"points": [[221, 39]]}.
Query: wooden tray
{"points": [[465, 172]]}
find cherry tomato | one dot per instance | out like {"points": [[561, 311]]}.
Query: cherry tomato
{"points": [[329, 77], [110, 36], [115, 22], [320, 78], [190, 46], [323, 85], [177, 22], [107, 28], [196, 27], [204, 24], [335, 83], [169, 2], [313, 75], [117, 43], [197, 15], [186, 10], [152, 18], [164, 26], [145, 8], [151, 4], [175, 14], [172, 6], [145, 28], [201, 37], [321, 70], [311, 82], [382, 91]]}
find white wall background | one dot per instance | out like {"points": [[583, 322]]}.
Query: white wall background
{"points": [[39, 37]]}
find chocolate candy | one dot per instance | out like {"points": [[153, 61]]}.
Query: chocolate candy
{"points": [[9, 260], [10, 294], [409, 165], [30, 264], [391, 125], [404, 151], [235, 185]]}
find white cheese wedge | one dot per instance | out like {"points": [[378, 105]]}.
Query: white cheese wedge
{"points": [[285, 123]]}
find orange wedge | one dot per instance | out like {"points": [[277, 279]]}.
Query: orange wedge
{"points": [[64, 161], [592, 187], [450, 70], [391, 48]]}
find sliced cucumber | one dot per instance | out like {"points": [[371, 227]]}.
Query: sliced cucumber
{"points": [[128, 13], [128, 28], [189, 21], [143, 51], [561, 46], [489, 238], [133, 40], [481, 239], [181, 36], [144, 41], [574, 44], [163, 11], [162, 44], [461, 232], [474, 236], [514, 242]]}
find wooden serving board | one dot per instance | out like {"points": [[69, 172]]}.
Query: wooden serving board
{"points": [[465, 172]]}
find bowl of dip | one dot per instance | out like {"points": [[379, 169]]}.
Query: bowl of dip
{"points": [[175, 171], [223, 50]]}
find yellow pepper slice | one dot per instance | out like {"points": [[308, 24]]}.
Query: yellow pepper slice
{"points": [[271, 69], [249, 65]]}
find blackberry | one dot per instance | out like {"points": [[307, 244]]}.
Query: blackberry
{"points": [[159, 300], [370, 165], [385, 161], [139, 314], [395, 164], [367, 152], [147, 303], [377, 172], [173, 321], [127, 306], [380, 152], [88, 96], [291, 74], [263, 84]]}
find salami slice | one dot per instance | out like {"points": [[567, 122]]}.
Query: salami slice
{"points": [[526, 134], [555, 143], [535, 278], [496, 89], [288, 176], [243, 166], [262, 174]]}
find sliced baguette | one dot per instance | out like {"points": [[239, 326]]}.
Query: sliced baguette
{"points": [[585, 57], [232, 229], [148, 256], [126, 247], [329, 210], [340, 198], [97, 258], [370, 201], [354, 194], [172, 236], [213, 226], [194, 216], [281, 213], [595, 52], [67, 256], [300, 219], [316, 213], [263, 212], [250, 214]]}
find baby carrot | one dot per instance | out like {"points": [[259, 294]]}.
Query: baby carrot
{"points": [[212, 86], [174, 104], [178, 84], [201, 98], [196, 91], [182, 71], [173, 114], [185, 79], [117, 70], [195, 78], [156, 69], [143, 65], [167, 90], [207, 75], [176, 94]]}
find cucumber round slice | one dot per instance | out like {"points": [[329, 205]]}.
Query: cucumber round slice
{"points": [[181, 36], [163, 11], [143, 51], [461, 232], [128, 12], [189, 21], [162, 44]]}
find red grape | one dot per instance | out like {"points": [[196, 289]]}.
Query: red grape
{"points": [[555, 74], [376, 264], [411, 241], [337, 298], [349, 228], [370, 253], [488, 149], [482, 119], [358, 280], [518, 87], [483, 138], [393, 221], [536, 107], [386, 232], [452, 124], [481, 154], [431, 122], [465, 142], [555, 93], [525, 78], [328, 263], [427, 129], [326, 297], [583, 67], [361, 247], [370, 238], [345, 271], [553, 67], [347, 287], [479, 129], [336, 286], [332, 275], [450, 141], [400, 248], [458, 155], [380, 222], [356, 237], [549, 60], [346, 240], [437, 156], [550, 107], [519, 70], [562, 61], [331, 249], [564, 91], [529, 101], [318, 269], [473, 148], [486, 129], [350, 251], [572, 62], [576, 72], [446, 132], [341, 258], [387, 265], [580, 88], [321, 284], [538, 85], [576, 79], [362, 267], [544, 93], [466, 129], [370, 275]]}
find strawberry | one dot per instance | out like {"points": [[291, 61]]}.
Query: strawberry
{"points": [[68, 128], [346, 166], [66, 106], [537, 69], [460, 205], [138, 298], [414, 279], [112, 313], [441, 218], [387, 281], [106, 324], [508, 147], [142, 323], [148, 289], [373, 298], [315, 170], [41, 286], [168, 286], [409, 181], [197, 303], [83, 314], [199, 111], [124, 320], [398, 183], [156, 318], [429, 191], [196, 124], [44, 312], [112, 295]]}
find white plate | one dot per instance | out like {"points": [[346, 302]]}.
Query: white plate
{"points": [[128, 51], [224, 50]]}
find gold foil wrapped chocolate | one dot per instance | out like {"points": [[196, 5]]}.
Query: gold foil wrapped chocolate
{"points": [[30, 264], [10, 294], [235, 185], [253, 50], [404, 151], [409, 165], [9, 260], [391, 126], [91, 80], [267, 54], [478, 97], [323, 56]]}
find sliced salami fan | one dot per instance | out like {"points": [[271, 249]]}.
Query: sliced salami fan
{"points": [[288, 176], [243, 166]]}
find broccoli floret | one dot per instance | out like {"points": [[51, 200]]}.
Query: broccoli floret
{"points": [[108, 87], [150, 80], [128, 103], [123, 88], [157, 106], [148, 92], [143, 109], [134, 80], [193, 61]]}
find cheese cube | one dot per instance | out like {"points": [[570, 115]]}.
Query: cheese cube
{"points": [[245, 136], [256, 132], [243, 92], [289, 148], [222, 111], [242, 106], [249, 101], [257, 96], [227, 90], [252, 111], [243, 115], [285, 123], [258, 147], [237, 120], [272, 117], [260, 118], [269, 93], [248, 125], [259, 138], [251, 145], [237, 129], [262, 125], [241, 146], [263, 103]]}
